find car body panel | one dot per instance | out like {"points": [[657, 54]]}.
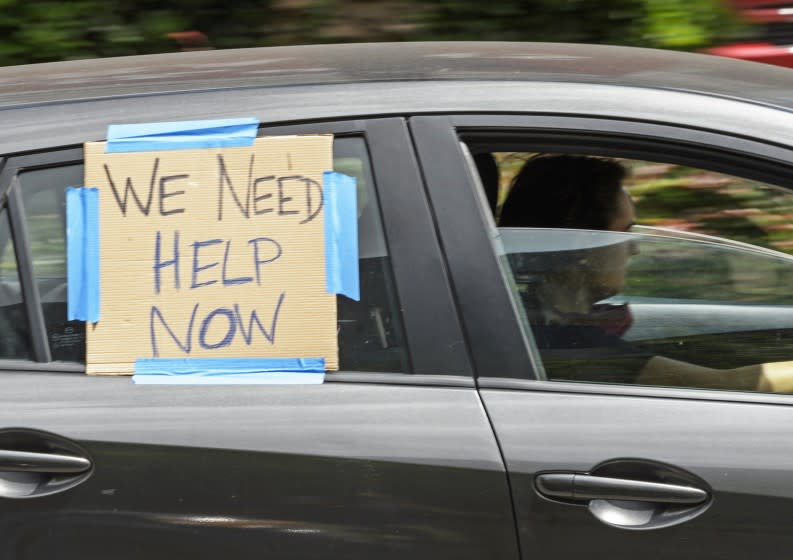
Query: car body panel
{"points": [[275, 67], [349, 469], [39, 127], [742, 451]]}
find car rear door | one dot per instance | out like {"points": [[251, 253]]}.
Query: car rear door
{"points": [[392, 457], [579, 454]]}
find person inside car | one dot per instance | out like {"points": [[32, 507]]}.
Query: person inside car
{"points": [[581, 339]]}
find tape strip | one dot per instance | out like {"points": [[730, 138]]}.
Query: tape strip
{"points": [[82, 254], [233, 379], [229, 371], [147, 137], [341, 235]]}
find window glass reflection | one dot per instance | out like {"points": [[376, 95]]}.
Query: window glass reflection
{"points": [[602, 305]]}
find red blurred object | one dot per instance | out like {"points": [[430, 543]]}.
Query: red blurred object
{"points": [[773, 43], [757, 52], [191, 40], [764, 11]]}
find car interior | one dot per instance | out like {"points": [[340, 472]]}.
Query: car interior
{"points": [[708, 283]]}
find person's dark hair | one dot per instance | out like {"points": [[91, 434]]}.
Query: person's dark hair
{"points": [[564, 191]]}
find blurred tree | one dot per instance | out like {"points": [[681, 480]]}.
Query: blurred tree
{"points": [[590, 21], [687, 24], [655, 23], [38, 31], [46, 30]]}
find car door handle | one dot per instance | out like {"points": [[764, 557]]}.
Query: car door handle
{"points": [[52, 463], [34, 463], [585, 487]]}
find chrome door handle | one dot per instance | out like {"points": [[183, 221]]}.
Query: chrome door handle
{"points": [[35, 464], [630, 493], [585, 487], [52, 463]]}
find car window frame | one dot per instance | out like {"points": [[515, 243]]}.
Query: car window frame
{"points": [[433, 334], [494, 329]]}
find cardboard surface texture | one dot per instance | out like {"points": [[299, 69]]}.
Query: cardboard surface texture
{"points": [[212, 253]]}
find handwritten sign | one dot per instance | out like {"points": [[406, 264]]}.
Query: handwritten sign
{"points": [[212, 253]]}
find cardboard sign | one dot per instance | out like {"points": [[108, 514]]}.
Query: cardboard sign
{"points": [[212, 253]]}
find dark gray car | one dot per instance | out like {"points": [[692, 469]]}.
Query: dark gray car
{"points": [[448, 431]]}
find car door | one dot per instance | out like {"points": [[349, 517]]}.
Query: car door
{"points": [[393, 456], [614, 469]]}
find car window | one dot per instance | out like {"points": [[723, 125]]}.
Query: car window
{"points": [[370, 330], [44, 202], [732, 315], [697, 295], [686, 199], [15, 342]]}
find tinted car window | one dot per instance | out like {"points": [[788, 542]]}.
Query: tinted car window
{"points": [[15, 342], [43, 198], [370, 330]]}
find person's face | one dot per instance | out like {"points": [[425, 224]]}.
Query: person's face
{"points": [[625, 216], [609, 277]]}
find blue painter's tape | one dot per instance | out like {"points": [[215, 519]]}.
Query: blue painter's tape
{"points": [[341, 235], [82, 254], [75, 241], [147, 137], [229, 371], [273, 378], [223, 366]]}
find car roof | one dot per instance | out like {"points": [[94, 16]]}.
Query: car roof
{"points": [[59, 82]]}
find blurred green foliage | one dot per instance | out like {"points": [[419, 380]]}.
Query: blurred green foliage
{"points": [[686, 24], [48, 30], [585, 21], [683, 24], [37, 30]]}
